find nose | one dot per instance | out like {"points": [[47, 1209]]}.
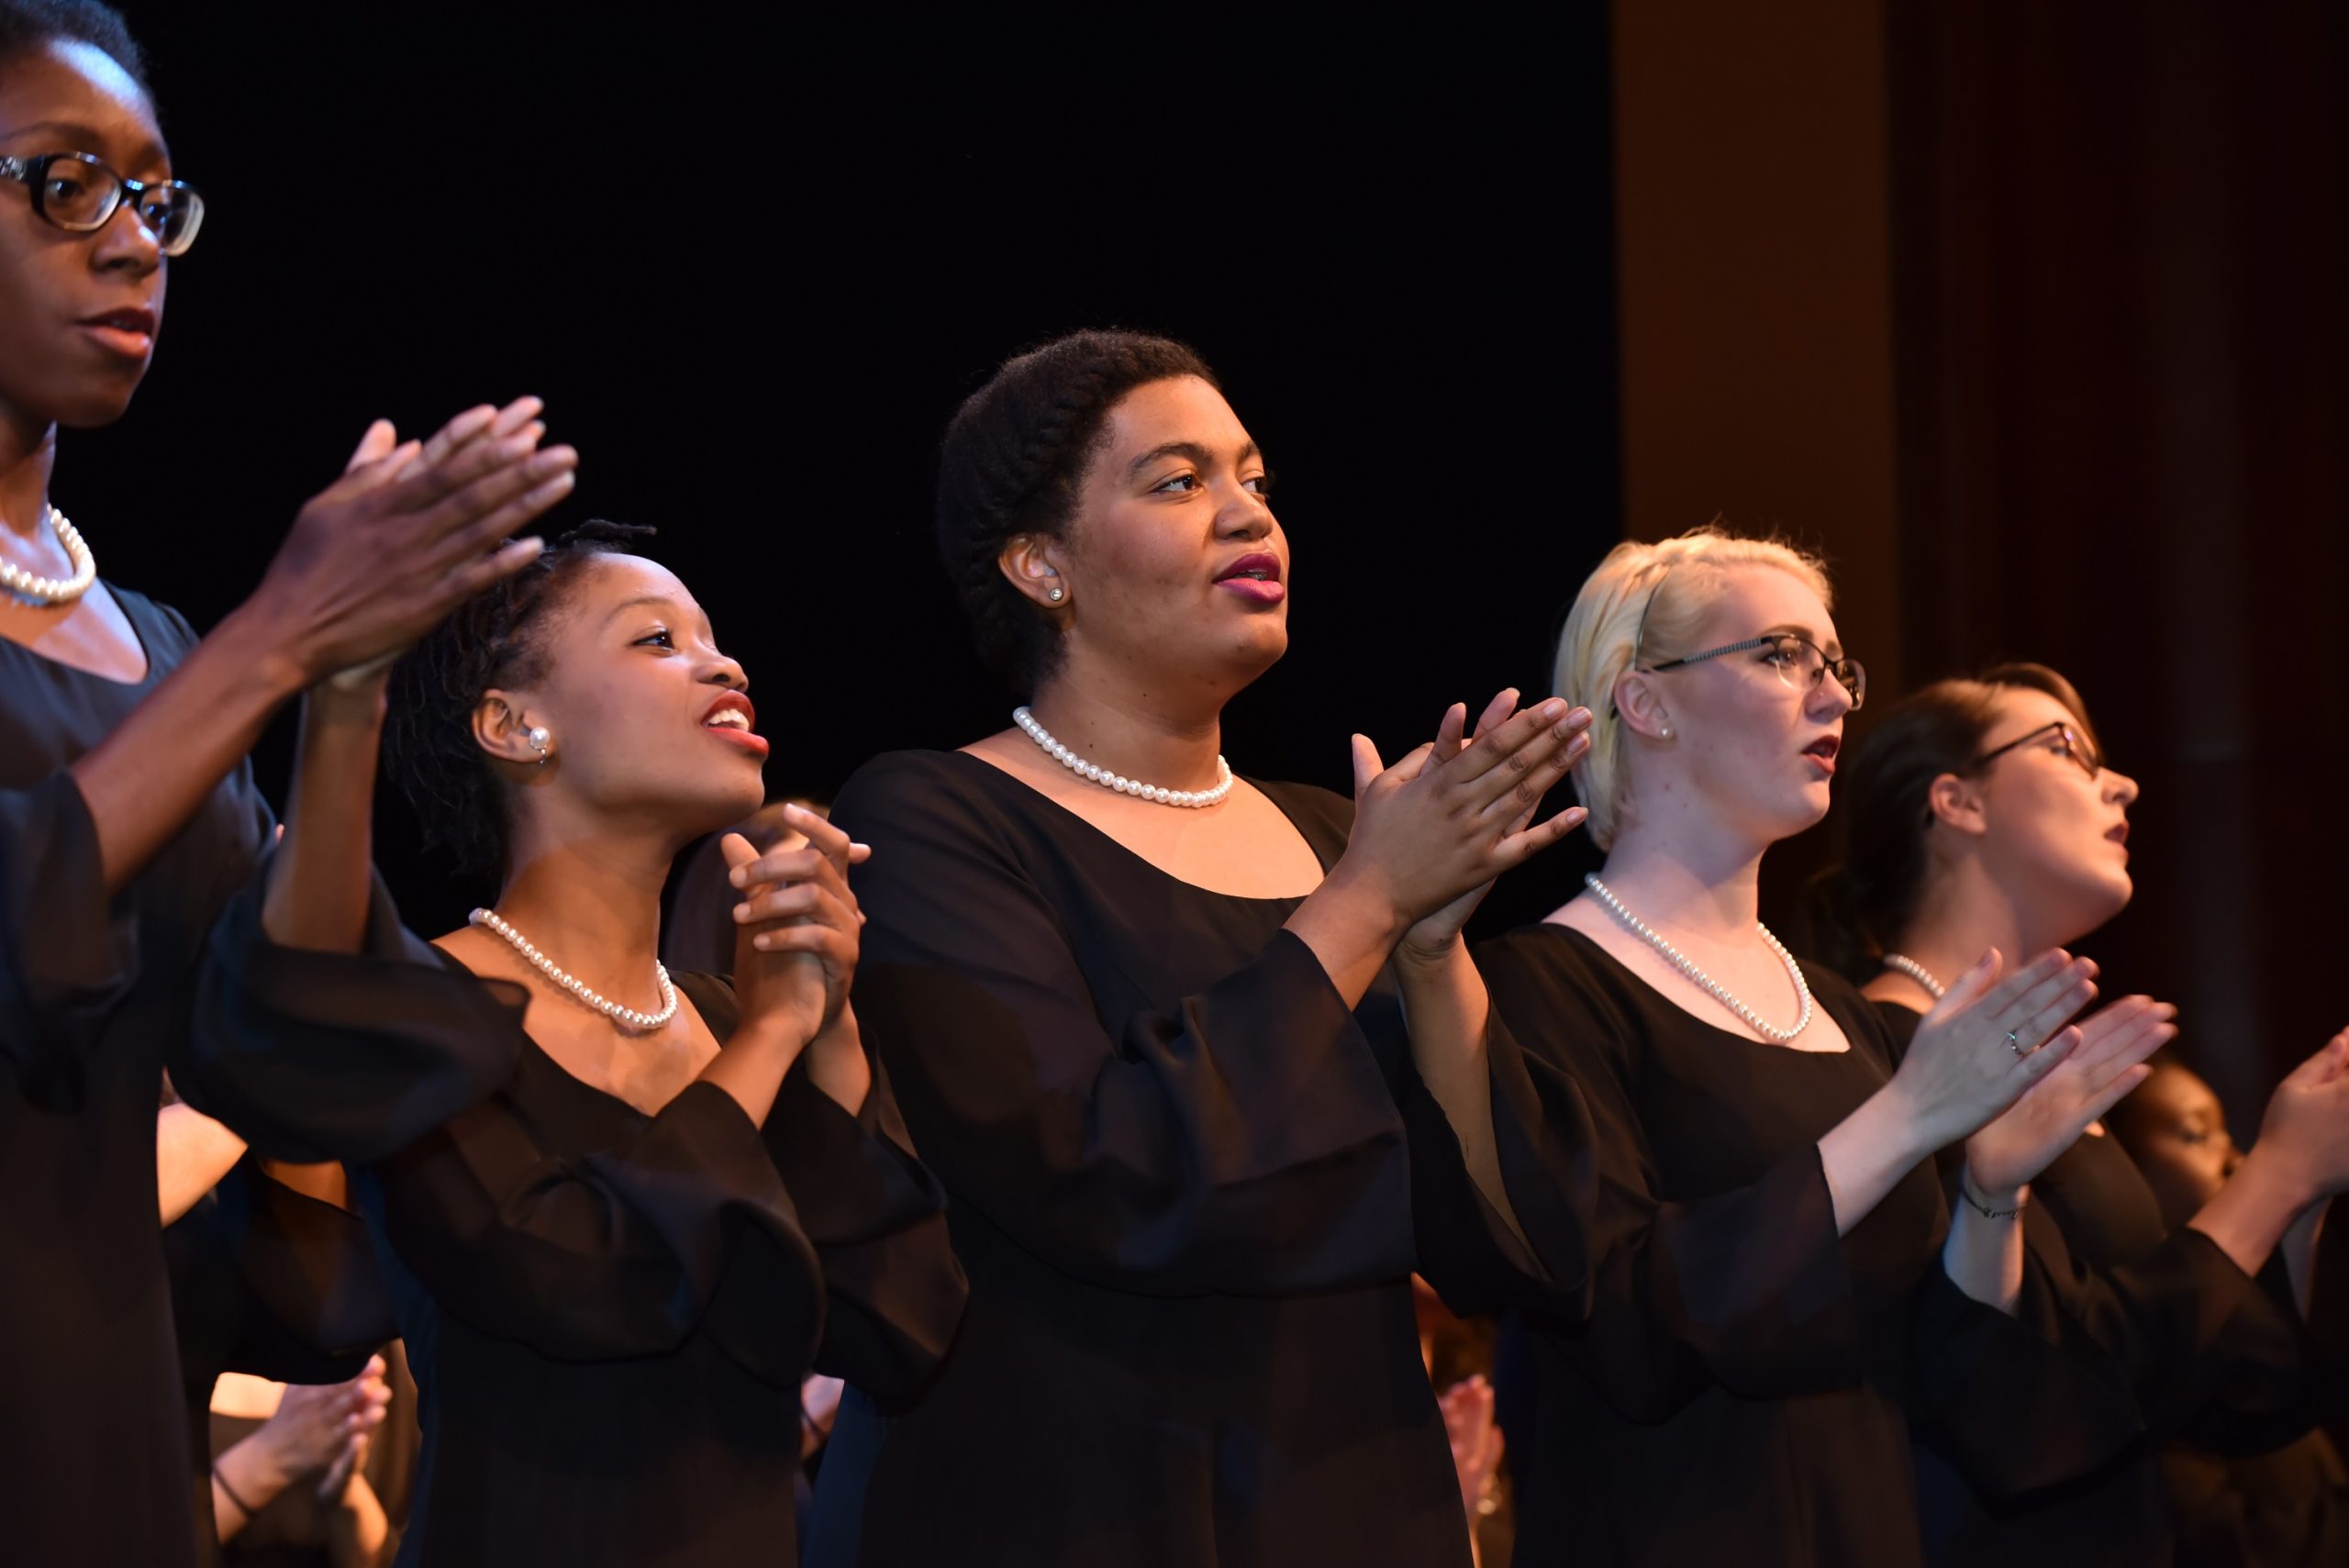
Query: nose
{"points": [[1245, 515], [2120, 788], [720, 670], [1829, 699], [125, 244]]}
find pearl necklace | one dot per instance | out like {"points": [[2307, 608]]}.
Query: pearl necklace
{"points": [[1688, 967], [613, 1010], [1119, 781], [54, 590], [1916, 971]]}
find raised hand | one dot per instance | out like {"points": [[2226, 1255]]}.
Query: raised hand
{"points": [[1476, 1447], [1989, 1039], [409, 531], [1449, 818], [1437, 932], [796, 947], [2304, 1136], [2051, 1114]]}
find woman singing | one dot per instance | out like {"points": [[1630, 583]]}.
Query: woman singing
{"points": [[1981, 814], [1737, 1390], [126, 814], [1133, 1004], [612, 1274]]}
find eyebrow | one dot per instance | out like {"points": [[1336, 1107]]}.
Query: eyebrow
{"points": [[143, 154], [662, 600], [1191, 450]]}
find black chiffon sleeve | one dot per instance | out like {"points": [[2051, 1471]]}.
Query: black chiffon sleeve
{"points": [[626, 1251], [68, 952], [1240, 1141], [1746, 1288], [314, 1056]]}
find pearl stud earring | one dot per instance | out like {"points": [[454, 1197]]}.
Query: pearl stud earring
{"points": [[538, 738], [1056, 596]]}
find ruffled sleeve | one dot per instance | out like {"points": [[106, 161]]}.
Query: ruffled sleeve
{"points": [[314, 1056], [1243, 1140], [68, 953], [1746, 1289]]}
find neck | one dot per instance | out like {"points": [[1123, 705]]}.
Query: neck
{"points": [[1704, 883], [1157, 736], [28, 453], [593, 906], [1964, 915]]}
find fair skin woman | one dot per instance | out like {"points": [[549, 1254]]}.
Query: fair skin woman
{"points": [[1725, 760], [2030, 849], [1156, 636]]}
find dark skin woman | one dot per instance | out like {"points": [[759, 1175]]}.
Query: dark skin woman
{"points": [[1200, 1058], [126, 814], [614, 1270]]}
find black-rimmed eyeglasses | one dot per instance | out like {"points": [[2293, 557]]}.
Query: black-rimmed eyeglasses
{"points": [[79, 194], [2067, 743], [1800, 663]]}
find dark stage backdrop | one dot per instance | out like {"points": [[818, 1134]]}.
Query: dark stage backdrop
{"points": [[753, 269]]}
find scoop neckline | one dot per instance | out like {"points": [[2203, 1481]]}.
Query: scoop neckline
{"points": [[1851, 1045], [138, 634], [1028, 789]]}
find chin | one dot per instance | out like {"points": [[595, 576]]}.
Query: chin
{"points": [[94, 407]]}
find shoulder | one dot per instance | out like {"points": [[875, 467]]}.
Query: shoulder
{"points": [[1549, 982], [1325, 816], [164, 631], [922, 783]]}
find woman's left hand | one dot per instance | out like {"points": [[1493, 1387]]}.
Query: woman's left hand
{"points": [[2053, 1113], [1432, 939]]}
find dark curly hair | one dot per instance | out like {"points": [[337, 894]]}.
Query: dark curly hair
{"points": [[1011, 462], [489, 641], [28, 25], [1862, 903]]}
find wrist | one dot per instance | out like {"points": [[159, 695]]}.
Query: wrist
{"points": [[1992, 1202], [1918, 1131], [2274, 1182], [266, 647], [1368, 901]]}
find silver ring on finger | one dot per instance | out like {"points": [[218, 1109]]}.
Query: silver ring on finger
{"points": [[2014, 1042]]}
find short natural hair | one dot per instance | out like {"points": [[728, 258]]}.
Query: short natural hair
{"points": [[28, 25], [1646, 601], [1011, 461]]}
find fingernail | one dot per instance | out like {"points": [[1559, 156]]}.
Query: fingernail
{"points": [[854, 845]]}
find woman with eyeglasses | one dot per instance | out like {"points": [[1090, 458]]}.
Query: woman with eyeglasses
{"points": [[1768, 1222], [1978, 814], [126, 813]]}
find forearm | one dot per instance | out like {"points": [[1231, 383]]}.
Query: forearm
{"points": [[318, 880], [1351, 929], [144, 781], [2252, 1212], [192, 1154], [752, 1067], [2300, 1246], [837, 1064], [247, 1477], [1866, 1153], [1983, 1255], [360, 1529], [1449, 1013]]}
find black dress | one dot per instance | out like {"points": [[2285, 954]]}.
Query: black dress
{"points": [[94, 1458], [609, 1314], [1190, 1186], [2216, 1358], [1741, 1389]]}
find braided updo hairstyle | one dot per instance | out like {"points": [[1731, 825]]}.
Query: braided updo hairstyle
{"points": [[491, 639], [1012, 461], [1883, 817]]}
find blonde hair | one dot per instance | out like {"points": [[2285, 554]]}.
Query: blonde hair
{"points": [[1645, 602]]}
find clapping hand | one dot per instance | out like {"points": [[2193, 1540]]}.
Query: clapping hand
{"points": [[795, 946], [1989, 1039], [2053, 1113]]}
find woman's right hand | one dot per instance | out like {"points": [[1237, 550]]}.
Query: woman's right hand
{"points": [[322, 1428], [796, 936], [1447, 818], [409, 532], [2304, 1137], [1989, 1039]]}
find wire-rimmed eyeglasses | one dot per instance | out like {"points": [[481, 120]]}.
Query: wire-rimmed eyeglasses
{"points": [[1800, 663], [2068, 744], [79, 193]]}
